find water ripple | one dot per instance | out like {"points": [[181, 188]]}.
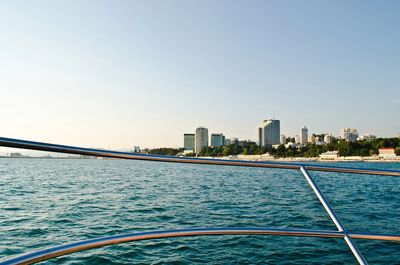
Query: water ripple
{"points": [[48, 202]]}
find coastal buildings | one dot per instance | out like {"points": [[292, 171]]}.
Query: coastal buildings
{"points": [[386, 152], [268, 136], [234, 140], [328, 138], [330, 155], [195, 142], [245, 142], [349, 134], [188, 141], [201, 139], [367, 137], [259, 134], [312, 139], [217, 139], [319, 141], [303, 135], [136, 149], [283, 139], [219, 145], [268, 133]]}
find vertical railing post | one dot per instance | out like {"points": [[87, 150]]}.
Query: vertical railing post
{"points": [[353, 247]]}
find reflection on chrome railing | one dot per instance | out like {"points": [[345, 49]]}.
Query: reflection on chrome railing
{"points": [[111, 240], [125, 238]]}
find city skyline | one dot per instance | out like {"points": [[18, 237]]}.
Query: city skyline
{"points": [[270, 128], [189, 138], [117, 75], [201, 132]]}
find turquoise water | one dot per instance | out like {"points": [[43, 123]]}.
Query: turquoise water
{"points": [[46, 202]]}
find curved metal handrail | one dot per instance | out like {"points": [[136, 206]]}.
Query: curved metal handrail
{"points": [[62, 250], [40, 146]]}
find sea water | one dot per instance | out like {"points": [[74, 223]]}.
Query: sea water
{"points": [[48, 202]]}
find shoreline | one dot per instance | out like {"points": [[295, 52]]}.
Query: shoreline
{"points": [[308, 159], [259, 158]]}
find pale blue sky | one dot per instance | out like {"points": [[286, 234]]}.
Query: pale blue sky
{"points": [[123, 73]]}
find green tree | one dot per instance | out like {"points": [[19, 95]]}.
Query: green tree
{"points": [[397, 151], [245, 151], [372, 152], [227, 150], [343, 148]]}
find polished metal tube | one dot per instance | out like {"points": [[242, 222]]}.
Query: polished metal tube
{"points": [[40, 146], [353, 247], [58, 251], [62, 250], [375, 236]]}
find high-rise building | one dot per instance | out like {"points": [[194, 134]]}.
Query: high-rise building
{"points": [[259, 134], [269, 133], [227, 141], [297, 139], [349, 134], [201, 139], [303, 135], [188, 141], [283, 139], [217, 139]]}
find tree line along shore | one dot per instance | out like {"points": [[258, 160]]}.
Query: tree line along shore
{"points": [[363, 148]]}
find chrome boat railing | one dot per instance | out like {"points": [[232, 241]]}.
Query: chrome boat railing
{"points": [[117, 239]]}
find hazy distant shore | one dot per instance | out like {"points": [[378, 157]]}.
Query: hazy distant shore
{"points": [[307, 159], [248, 158]]}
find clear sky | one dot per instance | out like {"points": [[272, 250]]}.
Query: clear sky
{"points": [[116, 74]]}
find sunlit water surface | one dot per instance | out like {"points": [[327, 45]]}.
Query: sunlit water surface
{"points": [[47, 202]]}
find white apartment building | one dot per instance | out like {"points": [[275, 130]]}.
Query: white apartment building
{"points": [[201, 139]]}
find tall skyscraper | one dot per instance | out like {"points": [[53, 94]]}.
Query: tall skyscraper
{"points": [[188, 141], [303, 135], [269, 133], [217, 139], [201, 139]]}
